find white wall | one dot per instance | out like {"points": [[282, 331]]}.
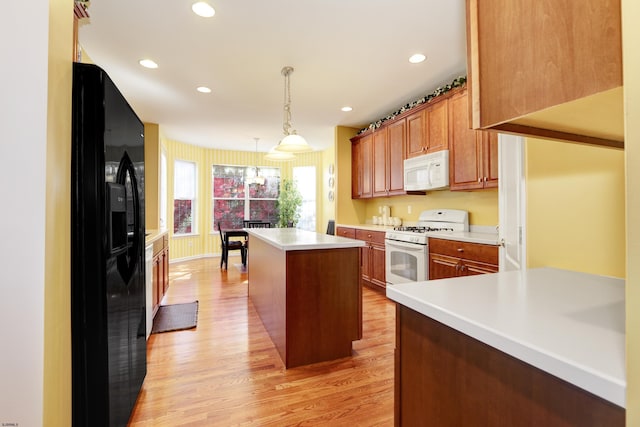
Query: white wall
{"points": [[24, 30]]}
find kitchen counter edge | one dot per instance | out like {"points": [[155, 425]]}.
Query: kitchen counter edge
{"points": [[532, 316], [293, 239], [153, 235], [461, 236]]}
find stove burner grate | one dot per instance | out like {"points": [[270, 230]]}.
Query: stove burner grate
{"points": [[418, 229]]}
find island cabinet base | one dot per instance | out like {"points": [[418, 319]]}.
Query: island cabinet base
{"points": [[308, 300], [445, 378]]}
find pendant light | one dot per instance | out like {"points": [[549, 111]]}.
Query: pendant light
{"points": [[253, 176], [279, 156], [292, 142]]}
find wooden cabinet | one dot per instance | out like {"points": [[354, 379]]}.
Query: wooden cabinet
{"points": [[535, 68], [346, 232], [473, 154], [160, 271], [361, 166], [372, 263], [388, 160], [446, 378], [452, 258], [427, 130]]}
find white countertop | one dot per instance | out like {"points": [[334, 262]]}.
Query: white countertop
{"points": [[569, 324], [473, 236], [293, 239]]}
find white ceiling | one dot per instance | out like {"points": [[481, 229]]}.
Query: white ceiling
{"points": [[344, 52]]}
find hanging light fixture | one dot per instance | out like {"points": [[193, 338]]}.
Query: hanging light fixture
{"points": [[279, 156], [253, 175], [292, 142]]}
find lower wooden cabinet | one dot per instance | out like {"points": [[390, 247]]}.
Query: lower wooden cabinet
{"points": [[372, 256], [160, 271], [452, 258]]}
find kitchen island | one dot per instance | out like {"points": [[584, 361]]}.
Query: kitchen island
{"points": [[539, 347], [305, 288]]}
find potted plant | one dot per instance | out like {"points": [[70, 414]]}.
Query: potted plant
{"points": [[289, 202]]}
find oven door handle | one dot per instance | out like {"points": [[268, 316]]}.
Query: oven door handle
{"points": [[415, 247]]}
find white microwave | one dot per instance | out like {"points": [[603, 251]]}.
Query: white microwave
{"points": [[427, 172]]}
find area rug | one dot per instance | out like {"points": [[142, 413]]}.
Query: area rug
{"points": [[241, 268], [175, 317]]}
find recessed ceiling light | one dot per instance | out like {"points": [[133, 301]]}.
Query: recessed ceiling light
{"points": [[346, 108], [417, 58], [147, 63], [204, 9], [203, 89]]}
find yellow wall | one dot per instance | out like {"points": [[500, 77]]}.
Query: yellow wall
{"points": [[348, 211], [631, 62], [575, 207], [328, 207], [206, 241], [482, 205], [57, 332], [151, 175]]}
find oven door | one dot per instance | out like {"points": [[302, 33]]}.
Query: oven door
{"points": [[406, 262]]}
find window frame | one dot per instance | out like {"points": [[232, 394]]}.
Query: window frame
{"points": [[194, 200]]}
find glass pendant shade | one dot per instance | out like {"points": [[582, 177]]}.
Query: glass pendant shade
{"points": [[293, 144], [279, 156]]}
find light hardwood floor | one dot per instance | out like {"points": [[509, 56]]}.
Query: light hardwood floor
{"points": [[227, 372]]}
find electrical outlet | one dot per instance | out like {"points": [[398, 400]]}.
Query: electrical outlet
{"points": [[408, 209]]}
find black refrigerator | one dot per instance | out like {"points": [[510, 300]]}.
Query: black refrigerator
{"points": [[107, 252]]}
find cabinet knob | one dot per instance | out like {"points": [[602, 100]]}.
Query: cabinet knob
{"points": [[460, 250], [480, 179], [485, 179]]}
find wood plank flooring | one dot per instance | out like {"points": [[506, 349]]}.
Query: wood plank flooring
{"points": [[227, 372]]}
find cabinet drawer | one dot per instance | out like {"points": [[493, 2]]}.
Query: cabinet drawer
{"points": [[472, 251], [346, 232], [370, 236]]}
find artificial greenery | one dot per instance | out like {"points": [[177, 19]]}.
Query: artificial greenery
{"points": [[457, 82], [289, 202]]}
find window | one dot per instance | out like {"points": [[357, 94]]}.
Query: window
{"points": [[184, 197], [305, 177], [163, 192], [238, 196]]}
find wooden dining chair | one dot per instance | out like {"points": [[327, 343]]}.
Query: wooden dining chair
{"points": [[230, 245]]}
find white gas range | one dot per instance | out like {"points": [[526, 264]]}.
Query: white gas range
{"points": [[407, 251]]}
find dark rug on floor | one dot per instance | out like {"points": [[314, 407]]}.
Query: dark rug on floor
{"points": [[175, 317], [241, 268]]}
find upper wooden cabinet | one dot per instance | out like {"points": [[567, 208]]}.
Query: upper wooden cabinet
{"points": [[427, 130], [361, 158], [473, 154], [547, 69], [388, 159]]}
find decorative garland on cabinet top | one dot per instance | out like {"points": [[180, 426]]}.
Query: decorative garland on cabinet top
{"points": [[456, 83]]}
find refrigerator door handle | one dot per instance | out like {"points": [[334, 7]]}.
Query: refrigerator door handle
{"points": [[128, 261]]}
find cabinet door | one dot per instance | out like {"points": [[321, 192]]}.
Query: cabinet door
{"points": [[442, 266], [356, 170], [395, 157], [379, 171], [415, 134], [165, 271], [366, 158], [465, 162], [471, 268], [156, 282], [365, 265], [437, 131], [377, 254], [490, 159]]}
